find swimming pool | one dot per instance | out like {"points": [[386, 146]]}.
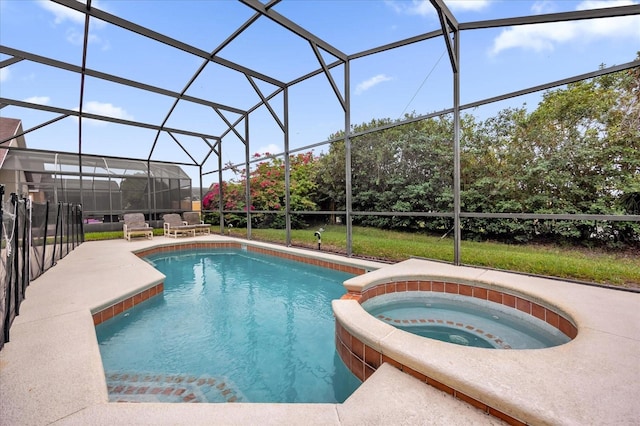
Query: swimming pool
{"points": [[230, 326]]}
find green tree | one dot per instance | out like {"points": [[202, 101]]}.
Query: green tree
{"points": [[403, 168], [577, 152]]}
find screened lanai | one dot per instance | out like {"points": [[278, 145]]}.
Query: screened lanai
{"points": [[106, 187], [178, 94]]}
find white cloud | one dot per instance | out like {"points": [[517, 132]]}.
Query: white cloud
{"points": [[74, 36], [269, 149], [462, 5], [106, 45], [535, 37], [425, 8], [373, 81], [105, 109], [395, 5], [544, 6], [599, 4], [541, 37], [77, 38], [62, 13], [4, 74], [418, 7], [41, 100]]}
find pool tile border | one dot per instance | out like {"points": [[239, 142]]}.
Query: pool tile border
{"points": [[342, 267], [123, 305], [310, 260], [364, 360]]}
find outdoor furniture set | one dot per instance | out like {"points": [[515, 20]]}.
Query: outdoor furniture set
{"points": [[174, 225]]}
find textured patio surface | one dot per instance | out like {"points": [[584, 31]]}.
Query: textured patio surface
{"points": [[51, 371]]}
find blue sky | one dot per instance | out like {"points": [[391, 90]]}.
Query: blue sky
{"points": [[413, 78]]}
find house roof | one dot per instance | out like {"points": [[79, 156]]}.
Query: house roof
{"points": [[10, 127]]}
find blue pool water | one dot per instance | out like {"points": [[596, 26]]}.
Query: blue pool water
{"points": [[230, 326]]}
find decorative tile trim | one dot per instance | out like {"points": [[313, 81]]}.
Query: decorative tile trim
{"points": [[126, 304], [355, 270], [465, 327], [172, 247], [136, 387], [363, 361], [553, 318]]}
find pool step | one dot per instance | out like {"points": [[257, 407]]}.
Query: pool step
{"points": [[143, 387]]}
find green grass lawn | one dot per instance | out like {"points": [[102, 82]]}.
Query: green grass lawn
{"points": [[585, 265], [595, 266]]}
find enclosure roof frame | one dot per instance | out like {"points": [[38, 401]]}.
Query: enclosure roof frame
{"points": [[236, 118]]}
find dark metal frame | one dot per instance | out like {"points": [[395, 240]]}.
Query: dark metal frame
{"points": [[20, 251], [450, 30]]}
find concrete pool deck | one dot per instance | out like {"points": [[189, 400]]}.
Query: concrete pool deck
{"points": [[51, 371]]}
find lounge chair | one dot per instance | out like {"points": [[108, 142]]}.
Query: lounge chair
{"points": [[174, 226], [134, 225], [193, 218]]}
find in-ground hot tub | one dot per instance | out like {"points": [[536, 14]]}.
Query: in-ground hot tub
{"points": [[465, 320], [396, 297]]}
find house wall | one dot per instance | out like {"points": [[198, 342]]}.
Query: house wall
{"points": [[14, 182]]}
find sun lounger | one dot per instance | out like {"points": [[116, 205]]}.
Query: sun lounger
{"points": [[174, 226], [193, 218], [134, 225]]}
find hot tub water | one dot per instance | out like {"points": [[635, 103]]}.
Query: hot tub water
{"points": [[463, 320]]}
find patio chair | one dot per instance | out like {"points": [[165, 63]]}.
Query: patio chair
{"points": [[193, 218], [135, 225], [174, 226]]}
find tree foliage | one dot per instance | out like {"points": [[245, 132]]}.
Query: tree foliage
{"points": [[267, 191], [401, 169], [578, 152]]}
